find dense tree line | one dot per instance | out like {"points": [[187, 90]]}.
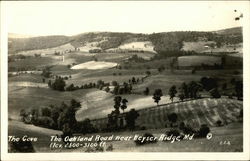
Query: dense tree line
{"points": [[60, 117], [173, 41], [46, 72], [58, 84], [192, 89]]}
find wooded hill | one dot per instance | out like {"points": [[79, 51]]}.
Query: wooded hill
{"points": [[165, 41]]}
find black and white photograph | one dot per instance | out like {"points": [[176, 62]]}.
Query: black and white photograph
{"points": [[119, 76]]}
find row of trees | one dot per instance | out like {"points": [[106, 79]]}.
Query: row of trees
{"points": [[60, 84], [116, 119], [192, 89]]}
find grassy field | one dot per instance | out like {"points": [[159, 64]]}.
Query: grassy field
{"points": [[32, 63], [198, 60], [33, 97], [36, 78], [94, 65], [210, 46], [19, 129], [48, 51], [166, 79], [95, 103]]}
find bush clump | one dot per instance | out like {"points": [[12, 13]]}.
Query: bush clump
{"points": [[174, 132], [203, 131]]}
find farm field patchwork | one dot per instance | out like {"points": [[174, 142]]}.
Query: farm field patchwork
{"points": [[140, 68]]}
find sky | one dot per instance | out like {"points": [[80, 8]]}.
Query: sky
{"points": [[71, 18]]}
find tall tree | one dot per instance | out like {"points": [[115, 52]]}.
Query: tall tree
{"points": [[181, 96], [75, 104], [130, 118], [184, 90], [239, 89], [193, 89], [172, 91], [124, 104], [215, 93], [133, 80], [117, 101], [157, 96], [146, 92]]}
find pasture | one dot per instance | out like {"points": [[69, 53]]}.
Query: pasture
{"points": [[190, 61], [93, 65], [33, 97], [48, 51]]}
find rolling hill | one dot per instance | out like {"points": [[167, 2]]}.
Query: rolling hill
{"points": [[165, 41]]}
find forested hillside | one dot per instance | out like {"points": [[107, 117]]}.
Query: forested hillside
{"points": [[166, 41]]}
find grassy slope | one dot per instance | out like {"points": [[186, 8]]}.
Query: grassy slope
{"points": [[164, 81], [195, 113], [29, 97], [32, 63], [19, 129], [107, 40]]}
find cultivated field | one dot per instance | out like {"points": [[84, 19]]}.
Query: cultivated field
{"points": [[198, 60], [194, 112], [48, 51], [140, 46], [93, 65]]}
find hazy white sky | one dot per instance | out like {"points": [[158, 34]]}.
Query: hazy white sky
{"points": [[69, 18]]}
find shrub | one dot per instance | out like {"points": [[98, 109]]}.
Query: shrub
{"points": [[172, 119], [173, 132], [203, 131], [143, 128], [44, 121], [219, 123], [110, 148], [186, 129], [182, 125], [215, 93], [230, 96]]}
